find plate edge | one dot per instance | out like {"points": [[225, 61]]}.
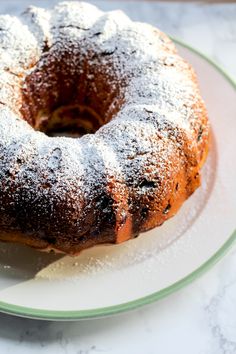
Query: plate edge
{"points": [[43, 314]]}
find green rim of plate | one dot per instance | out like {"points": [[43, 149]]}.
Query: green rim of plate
{"points": [[105, 311]]}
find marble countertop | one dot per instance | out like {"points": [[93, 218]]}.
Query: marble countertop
{"points": [[199, 319]]}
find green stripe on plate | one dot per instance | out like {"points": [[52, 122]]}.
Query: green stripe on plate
{"points": [[111, 310]]}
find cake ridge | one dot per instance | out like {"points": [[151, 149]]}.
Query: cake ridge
{"points": [[131, 174]]}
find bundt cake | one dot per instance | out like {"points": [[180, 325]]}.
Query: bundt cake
{"points": [[102, 128]]}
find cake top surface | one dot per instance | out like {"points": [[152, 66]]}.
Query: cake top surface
{"points": [[159, 92]]}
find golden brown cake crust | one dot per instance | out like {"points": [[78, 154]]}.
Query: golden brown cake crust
{"points": [[135, 96]]}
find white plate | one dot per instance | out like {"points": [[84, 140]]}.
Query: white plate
{"points": [[111, 279]]}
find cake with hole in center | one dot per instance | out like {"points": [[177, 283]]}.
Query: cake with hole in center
{"points": [[103, 130]]}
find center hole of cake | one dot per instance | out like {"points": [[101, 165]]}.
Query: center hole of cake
{"points": [[71, 121]]}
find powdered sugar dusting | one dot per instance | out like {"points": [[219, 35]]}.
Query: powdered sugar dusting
{"points": [[160, 246], [55, 181]]}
